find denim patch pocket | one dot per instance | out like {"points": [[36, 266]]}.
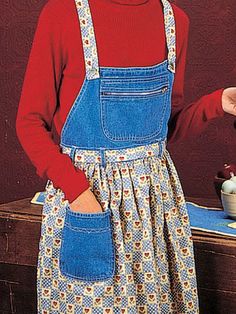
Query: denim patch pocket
{"points": [[134, 110], [87, 247]]}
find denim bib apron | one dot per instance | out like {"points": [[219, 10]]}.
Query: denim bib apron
{"points": [[136, 256]]}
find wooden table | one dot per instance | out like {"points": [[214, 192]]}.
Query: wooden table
{"points": [[20, 223]]}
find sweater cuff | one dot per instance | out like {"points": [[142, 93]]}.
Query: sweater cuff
{"points": [[74, 184], [217, 99]]}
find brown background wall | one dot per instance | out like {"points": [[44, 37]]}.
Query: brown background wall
{"points": [[211, 64]]}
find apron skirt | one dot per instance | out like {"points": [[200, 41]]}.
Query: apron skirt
{"points": [[134, 257]]}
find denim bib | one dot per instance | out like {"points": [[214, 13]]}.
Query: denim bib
{"points": [[120, 107]]}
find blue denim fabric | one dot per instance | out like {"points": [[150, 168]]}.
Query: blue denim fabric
{"points": [[87, 249], [124, 107], [126, 118]]}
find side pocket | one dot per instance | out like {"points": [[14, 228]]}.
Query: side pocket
{"points": [[87, 247]]}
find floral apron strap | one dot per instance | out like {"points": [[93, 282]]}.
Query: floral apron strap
{"points": [[170, 34], [89, 40]]}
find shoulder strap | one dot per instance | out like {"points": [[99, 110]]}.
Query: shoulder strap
{"points": [[88, 39], [170, 34]]}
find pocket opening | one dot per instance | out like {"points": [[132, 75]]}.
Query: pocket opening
{"points": [[132, 94], [105, 212]]}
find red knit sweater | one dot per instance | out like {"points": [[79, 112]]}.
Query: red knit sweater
{"points": [[128, 33]]}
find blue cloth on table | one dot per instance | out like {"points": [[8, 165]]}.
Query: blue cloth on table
{"points": [[210, 219], [38, 198]]}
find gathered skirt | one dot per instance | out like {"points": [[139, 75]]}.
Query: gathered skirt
{"points": [[134, 257]]}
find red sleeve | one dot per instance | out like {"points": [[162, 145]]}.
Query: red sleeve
{"points": [[189, 119], [38, 103]]}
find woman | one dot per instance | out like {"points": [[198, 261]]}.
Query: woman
{"points": [[115, 235]]}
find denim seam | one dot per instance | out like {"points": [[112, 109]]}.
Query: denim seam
{"points": [[135, 79], [151, 88], [94, 278], [87, 230], [87, 278], [119, 148]]}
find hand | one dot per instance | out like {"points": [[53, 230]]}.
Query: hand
{"points": [[86, 202], [229, 100]]}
